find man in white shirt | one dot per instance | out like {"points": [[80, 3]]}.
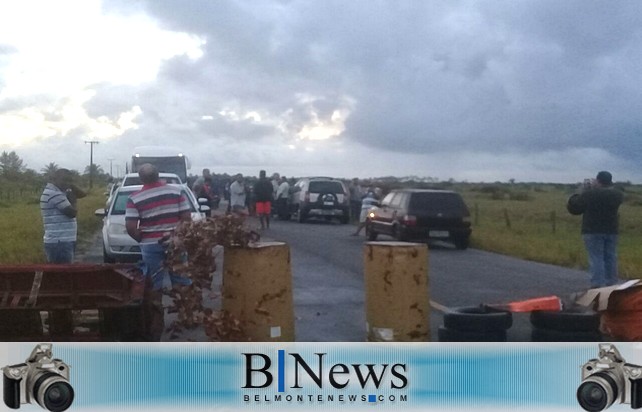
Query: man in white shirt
{"points": [[282, 194], [237, 195]]}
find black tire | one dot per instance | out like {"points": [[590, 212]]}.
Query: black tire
{"points": [[549, 335], [398, 234], [462, 243], [478, 319], [566, 320], [371, 235], [452, 335], [345, 219]]}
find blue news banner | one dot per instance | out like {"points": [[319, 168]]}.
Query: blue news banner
{"points": [[321, 376]]}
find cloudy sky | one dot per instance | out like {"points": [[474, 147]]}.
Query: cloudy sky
{"points": [[471, 90]]}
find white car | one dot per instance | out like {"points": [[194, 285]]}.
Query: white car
{"points": [[118, 246], [132, 179]]}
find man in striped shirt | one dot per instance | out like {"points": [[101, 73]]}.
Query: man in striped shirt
{"points": [[59, 217], [151, 216]]}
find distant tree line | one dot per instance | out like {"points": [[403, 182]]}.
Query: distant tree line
{"points": [[17, 180]]}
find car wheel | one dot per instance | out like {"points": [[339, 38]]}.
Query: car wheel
{"points": [[345, 219], [106, 257], [371, 235], [566, 320], [398, 234], [478, 319], [452, 335], [462, 243]]}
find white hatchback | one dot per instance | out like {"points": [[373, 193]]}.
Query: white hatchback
{"points": [[118, 246]]}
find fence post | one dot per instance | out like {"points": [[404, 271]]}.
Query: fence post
{"points": [[507, 218]]}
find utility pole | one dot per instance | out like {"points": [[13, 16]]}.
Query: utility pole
{"points": [[91, 161], [111, 170]]}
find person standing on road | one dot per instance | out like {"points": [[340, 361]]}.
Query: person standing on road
{"points": [[282, 194], [237, 195], [367, 202], [356, 194], [263, 195], [200, 181], [58, 210], [151, 216], [598, 204]]}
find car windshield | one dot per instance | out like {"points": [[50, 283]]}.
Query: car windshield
{"points": [[120, 204], [135, 180], [326, 187], [437, 202]]}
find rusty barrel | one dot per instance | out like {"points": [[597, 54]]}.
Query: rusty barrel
{"points": [[396, 284], [257, 290]]}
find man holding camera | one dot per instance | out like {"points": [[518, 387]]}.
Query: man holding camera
{"points": [[598, 204], [58, 210]]}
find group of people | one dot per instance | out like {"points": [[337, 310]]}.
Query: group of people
{"points": [[247, 198], [154, 212]]}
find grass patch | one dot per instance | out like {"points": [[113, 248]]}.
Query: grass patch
{"points": [[22, 224], [539, 228]]}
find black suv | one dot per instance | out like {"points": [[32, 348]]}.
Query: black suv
{"points": [[415, 214]]}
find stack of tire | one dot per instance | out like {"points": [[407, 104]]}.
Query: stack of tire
{"points": [[570, 325], [475, 324]]}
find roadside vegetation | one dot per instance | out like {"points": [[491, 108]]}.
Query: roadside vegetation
{"points": [[21, 224], [531, 222], [20, 220]]}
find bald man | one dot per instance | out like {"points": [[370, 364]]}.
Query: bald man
{"points": [[151, 216]]}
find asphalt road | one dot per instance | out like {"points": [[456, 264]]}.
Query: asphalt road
{"points": [[327, 267]]}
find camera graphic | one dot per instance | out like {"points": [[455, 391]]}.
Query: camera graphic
{"points": [[41, 379], [609, 379]]}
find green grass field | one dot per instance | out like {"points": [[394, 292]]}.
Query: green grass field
{"points": [[535, 225], [21, 225]]}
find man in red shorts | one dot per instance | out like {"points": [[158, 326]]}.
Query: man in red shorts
{"points": [[263, 194]]}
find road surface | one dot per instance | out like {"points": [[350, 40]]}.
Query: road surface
{"points": [[327, 267]]}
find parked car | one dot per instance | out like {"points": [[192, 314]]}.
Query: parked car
{"points": [[319, 197], [118, 246], [416, 214]]}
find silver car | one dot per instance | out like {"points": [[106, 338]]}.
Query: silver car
{"points": [[118, 246]]}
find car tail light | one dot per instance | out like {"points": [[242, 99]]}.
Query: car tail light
{"points": [[306, 196], [409, 220]]}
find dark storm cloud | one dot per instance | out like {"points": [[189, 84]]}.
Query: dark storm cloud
{"points": [[432, 77]]}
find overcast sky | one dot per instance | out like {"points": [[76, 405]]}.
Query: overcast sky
{"points": [[537, 90]]}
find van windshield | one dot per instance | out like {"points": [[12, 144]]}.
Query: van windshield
{"points": [[175, 164], [437, 202]]}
